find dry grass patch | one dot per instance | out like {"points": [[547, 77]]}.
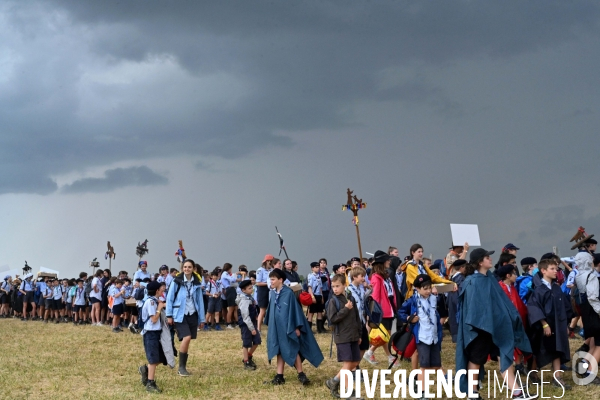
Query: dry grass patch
{"points": [[62, 361]]}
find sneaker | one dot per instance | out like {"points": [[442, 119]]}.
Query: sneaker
{"points": [[251, 361], [333, 386], [116, 330], [229, 327], [523, 396], [248, 365], [206, 328], [218, 327], [277, 380], [132, 328], [394, 362], [370, 357], [152, 388], [303, 379], [143, 370]]}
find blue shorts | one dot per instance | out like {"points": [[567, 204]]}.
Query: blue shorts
{"points": [[214, 305], [117, 309], [248, 339], [430, 355], [152, 346]]}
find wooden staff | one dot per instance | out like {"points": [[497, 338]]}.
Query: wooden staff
{"points": [[354, 204]]}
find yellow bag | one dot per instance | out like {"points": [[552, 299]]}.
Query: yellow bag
{"points": [[379, 336]]}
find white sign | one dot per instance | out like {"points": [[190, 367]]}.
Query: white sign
{"points": [[465, 233]]}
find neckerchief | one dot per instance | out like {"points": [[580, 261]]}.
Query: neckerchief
{"points": [[428, 310]]}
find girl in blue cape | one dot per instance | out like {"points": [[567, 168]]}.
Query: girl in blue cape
{"points": [[289, 336], [487, 323]]}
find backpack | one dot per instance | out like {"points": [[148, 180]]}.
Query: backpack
{"points": [[139, 295], [402, 344], [88, 290], [373, 311]]}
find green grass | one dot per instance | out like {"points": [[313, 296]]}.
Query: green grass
{"points": [[62, 361]]}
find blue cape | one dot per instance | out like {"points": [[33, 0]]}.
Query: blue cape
{"points": [[484, 305], [284, 315]]}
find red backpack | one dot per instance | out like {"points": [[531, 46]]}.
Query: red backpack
{"points": [[402, 344]]}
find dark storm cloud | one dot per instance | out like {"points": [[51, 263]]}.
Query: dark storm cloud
{"points": [[115, 179], [296, 66]]}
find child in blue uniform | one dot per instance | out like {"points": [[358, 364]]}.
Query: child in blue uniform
{"points": [[247, 321], [150, 315]]}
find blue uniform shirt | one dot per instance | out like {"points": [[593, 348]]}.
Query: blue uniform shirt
{"points": [[314, 281]]}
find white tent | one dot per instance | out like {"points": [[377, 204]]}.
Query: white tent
{"points": [[50, 271]]}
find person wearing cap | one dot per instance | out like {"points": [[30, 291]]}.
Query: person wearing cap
{"points": [[247, 315], [488, 324], [315, 289], [456, 253], [262, 288], [5, 289], [325, 280], [420, 311], [458, 267], [510, 249], [415, 267], [383, 293], [290, 338], [142, 272], [523, 283]]}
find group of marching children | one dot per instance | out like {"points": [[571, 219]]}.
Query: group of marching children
{"points": [[523, 319]]}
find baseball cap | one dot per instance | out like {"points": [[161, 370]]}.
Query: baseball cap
{"points": [[478, 254]]}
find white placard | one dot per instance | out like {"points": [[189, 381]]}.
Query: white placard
{"points": [[462, 233]]}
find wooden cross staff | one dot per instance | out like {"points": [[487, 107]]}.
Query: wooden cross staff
{"points": [[110, 254], [354, 204]]}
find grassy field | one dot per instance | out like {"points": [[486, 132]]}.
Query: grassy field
{"points": [[62, 361]]}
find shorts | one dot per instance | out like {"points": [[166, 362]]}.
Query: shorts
{"points": [[68, 307], [263, 296], [230, 295], [41, 301], [77, 308], [57, 305], [364, 339], [214, 305], [348, 352], [591, 322], [430, 355], [117, 310], [387, 323], [133, 310], [248, 339], [480, 348], [317, 306], [152, 346], [49, 304], [187, 327], [28, 298], [4, 298], [94, 300]]}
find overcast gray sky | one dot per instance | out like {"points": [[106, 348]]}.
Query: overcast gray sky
{"points": [[212, 122]]}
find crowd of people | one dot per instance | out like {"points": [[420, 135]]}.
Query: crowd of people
{"points": [[521, 318]]}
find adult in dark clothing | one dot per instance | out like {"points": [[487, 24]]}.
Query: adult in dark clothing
{"points": [[458, 276], [396, 275], [290, 274]]}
